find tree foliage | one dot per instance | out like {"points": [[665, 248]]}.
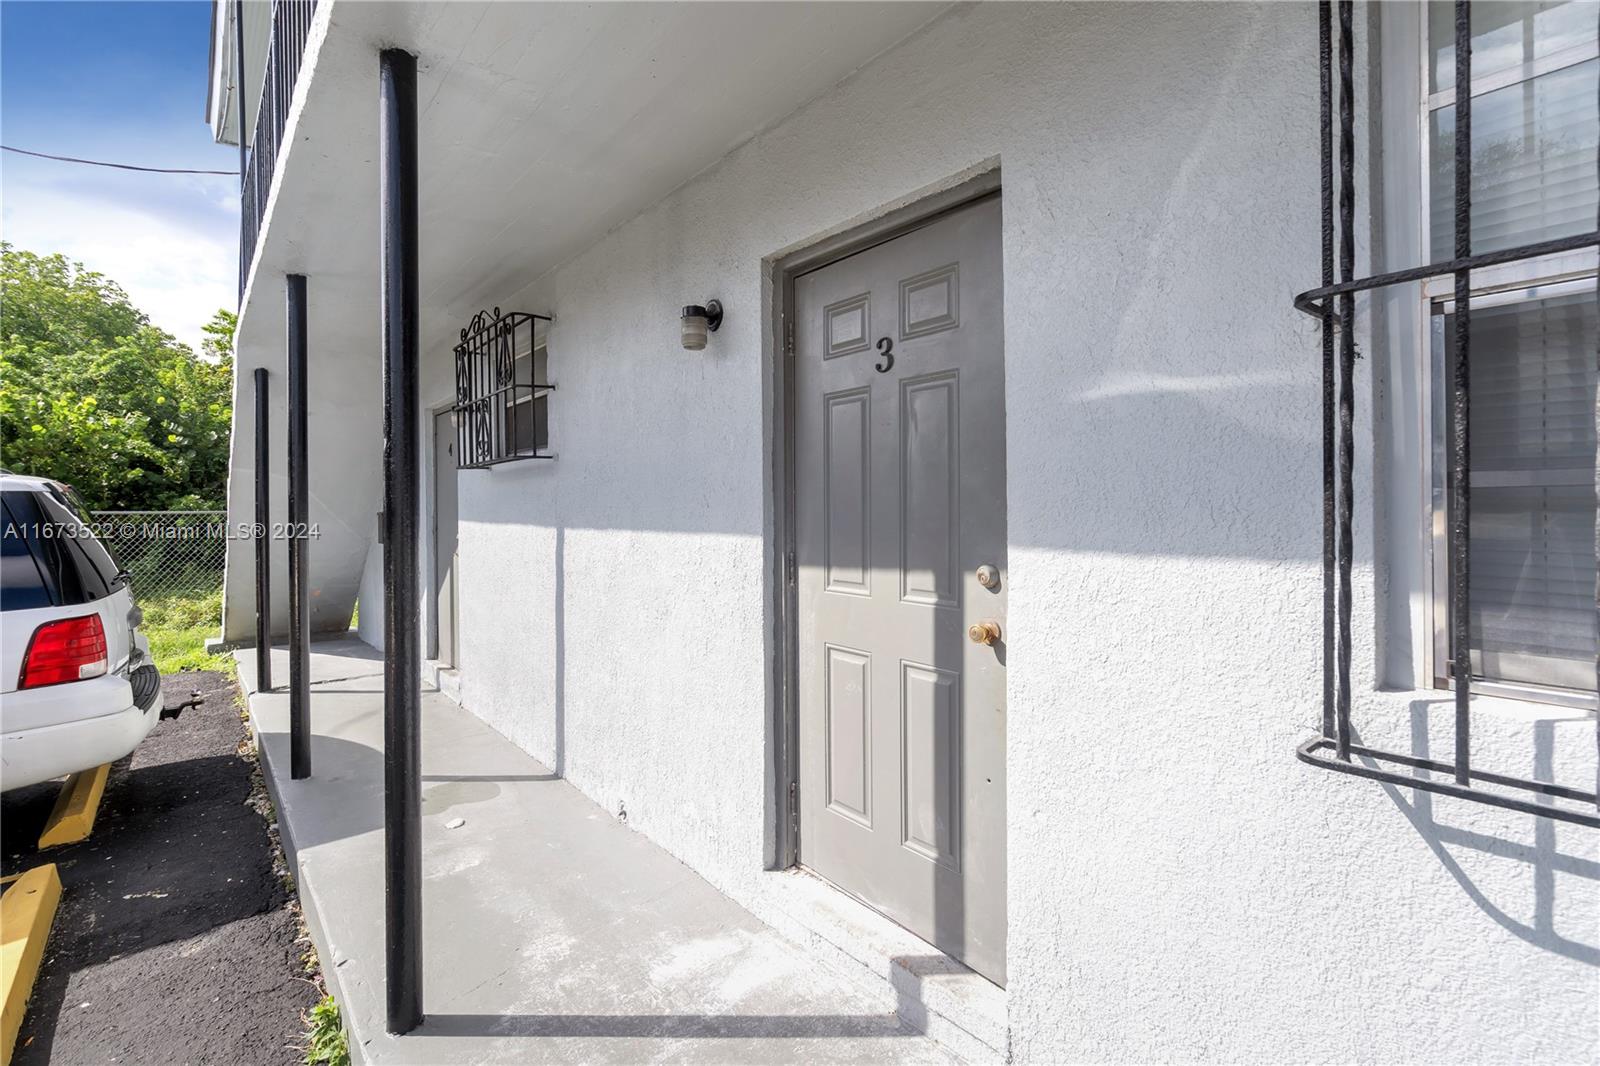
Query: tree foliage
{"points": [[94, 395]]}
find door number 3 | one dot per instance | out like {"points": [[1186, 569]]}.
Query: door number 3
{"points": [[886, 346]]}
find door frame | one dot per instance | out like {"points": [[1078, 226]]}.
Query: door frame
{"points": [[432, 619], [781, 851]]}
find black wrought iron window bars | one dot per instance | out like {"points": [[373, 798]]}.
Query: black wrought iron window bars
{"points": [[1333, 305], [499, 417]]}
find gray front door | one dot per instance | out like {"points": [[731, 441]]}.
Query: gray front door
{"points": [[900, 499], [444, 536]]}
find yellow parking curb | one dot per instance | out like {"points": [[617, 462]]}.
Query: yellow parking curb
{"points": [[73, 817], [26, 911]]}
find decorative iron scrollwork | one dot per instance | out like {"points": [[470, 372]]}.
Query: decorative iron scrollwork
{"points": [[499, 403], [479, 322]]}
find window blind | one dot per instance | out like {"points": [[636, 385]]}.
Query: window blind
{"points": [[1533, 162], [1532, 562]]}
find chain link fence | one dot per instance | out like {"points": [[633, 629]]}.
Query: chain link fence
{"points": [[167, 553]]}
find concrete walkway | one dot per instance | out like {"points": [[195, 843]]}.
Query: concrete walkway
{"points": [[551, 931]]}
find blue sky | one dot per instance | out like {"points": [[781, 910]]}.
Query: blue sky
{"points": [[124, 82]]}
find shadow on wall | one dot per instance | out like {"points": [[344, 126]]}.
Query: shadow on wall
{"points": [[1542, 855]]}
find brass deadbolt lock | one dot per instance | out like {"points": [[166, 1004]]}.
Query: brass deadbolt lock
{"points": [[988, 576], [983, 632]]}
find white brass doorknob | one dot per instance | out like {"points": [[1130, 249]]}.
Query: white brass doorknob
{"points": [[988, 576], [983, 632]]}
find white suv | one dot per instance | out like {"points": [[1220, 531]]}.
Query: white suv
{"points": [[77, 685]]}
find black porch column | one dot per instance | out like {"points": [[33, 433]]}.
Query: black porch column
{"points": [[299, 522], [263, 541], [402, 732]]}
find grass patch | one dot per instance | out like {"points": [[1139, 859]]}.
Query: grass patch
{"points": [[178, 626], [325, 1033]]}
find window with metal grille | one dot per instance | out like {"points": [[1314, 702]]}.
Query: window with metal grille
{"points": [[502, 389], [1536, 120], [1510, 179]]}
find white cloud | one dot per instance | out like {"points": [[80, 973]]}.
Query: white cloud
{"points": [[170, 241]]}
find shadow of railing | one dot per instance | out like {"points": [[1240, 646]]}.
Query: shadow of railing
{"points": [[1542, 855]]}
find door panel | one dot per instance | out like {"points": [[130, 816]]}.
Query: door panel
{"points": [[849, 478], [930, 723], [929, 513], [848, 724], [899, 439]]}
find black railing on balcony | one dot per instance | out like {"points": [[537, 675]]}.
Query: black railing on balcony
{"points": [[286, 45]]}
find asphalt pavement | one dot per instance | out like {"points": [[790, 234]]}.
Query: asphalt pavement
{"points": [[176, 938]]}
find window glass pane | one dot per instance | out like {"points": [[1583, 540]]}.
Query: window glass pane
{"points": [[1506, 35], [527, 426], [96, 573], [72, 512], [1532, 388], [1533, 162], [527, 430], [541, 376], [71, 578], [22, 585]]}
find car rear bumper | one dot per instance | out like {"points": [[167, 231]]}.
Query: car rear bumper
{"points": [[29, 756]]}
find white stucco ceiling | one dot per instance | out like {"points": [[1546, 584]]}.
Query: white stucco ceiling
{"points": [[542, 126]]}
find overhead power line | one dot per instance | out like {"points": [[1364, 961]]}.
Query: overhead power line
{"points": [[117, 166]]}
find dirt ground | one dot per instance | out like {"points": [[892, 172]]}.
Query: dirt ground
{"points": [[175, 941]]}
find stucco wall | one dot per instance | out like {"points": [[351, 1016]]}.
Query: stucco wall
{"points": [[1180, 886]]}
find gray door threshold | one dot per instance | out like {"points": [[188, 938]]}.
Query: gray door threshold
{"points": [[444, 678]]}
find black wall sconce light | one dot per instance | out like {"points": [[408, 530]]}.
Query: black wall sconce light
{"points": [[698, 321]]}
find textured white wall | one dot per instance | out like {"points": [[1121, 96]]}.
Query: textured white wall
{"points": [[1180, 886]]}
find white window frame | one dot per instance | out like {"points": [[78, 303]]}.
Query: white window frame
{"points": [[1507, 283]]}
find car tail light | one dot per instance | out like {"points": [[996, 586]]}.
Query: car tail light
{"points": [[69, 650]]}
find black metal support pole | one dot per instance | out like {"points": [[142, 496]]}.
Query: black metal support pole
{"points": [[1460, 459], [1325, 54], [263, 542], [1347, 363], [402, 731], [299, 521]]}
